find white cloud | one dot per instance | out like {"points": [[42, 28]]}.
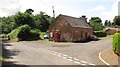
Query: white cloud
{"points": [[8, 7], [98, 8], [114, 11], [101, 11]]}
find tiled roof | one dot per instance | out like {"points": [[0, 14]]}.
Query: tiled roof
{"points": [[76, 22]]}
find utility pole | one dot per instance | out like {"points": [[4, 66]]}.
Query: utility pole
{"points": [[53, 12]]}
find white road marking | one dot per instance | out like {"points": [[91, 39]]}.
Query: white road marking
{"points": [[82, 64], [84, 61], [76, 59], [77, 62], [59, 55], [51, 53], [67, 57], [47, 52], [64, 57], [70, 59], [91, 64], [54, 54], [102, 59]]}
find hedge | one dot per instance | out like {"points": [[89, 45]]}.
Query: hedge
{"points": [[23, 33], [116, 43], [100, 33]]}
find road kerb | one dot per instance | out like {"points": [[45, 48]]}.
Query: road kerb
{"points": [[103, 59]]}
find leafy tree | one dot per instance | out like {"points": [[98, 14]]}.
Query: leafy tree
{"points": [[96, 23], [43, 21], [116, 20], [7, 24], [24, 18], [107, 23], [30, 11], [40, 21]]}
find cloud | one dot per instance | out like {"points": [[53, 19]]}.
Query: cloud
{"points": [[113, 12], [67, 7], [98, 9], [102, 12], [8, 7]]}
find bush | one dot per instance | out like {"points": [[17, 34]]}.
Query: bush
{"points": [[100, 33], [23, 33], [3, 35], [116, 43], [21, 29]]}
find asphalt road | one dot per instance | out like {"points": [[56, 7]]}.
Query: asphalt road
{"points": [[44, 53]]}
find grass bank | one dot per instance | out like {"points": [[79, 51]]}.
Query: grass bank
{"points": [[105, 38]]}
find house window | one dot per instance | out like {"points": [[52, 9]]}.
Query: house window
{"points": [[81, 34], [86, 34], [51, 34]]}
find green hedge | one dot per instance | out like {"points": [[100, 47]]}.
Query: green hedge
{"points": [[100, 33], [3, 35], [116, 43], [23, 32]]}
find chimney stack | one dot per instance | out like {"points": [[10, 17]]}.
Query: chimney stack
{"points": [[84, 17]]}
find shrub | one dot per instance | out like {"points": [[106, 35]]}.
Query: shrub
{"points": [[3, 35], [116, 43], [21, 29], [23, 33], [100, 33]]}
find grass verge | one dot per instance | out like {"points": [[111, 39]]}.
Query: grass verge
{"points": [[105, 38]]}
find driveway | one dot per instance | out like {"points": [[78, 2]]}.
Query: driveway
{"points": [[44, 53]]}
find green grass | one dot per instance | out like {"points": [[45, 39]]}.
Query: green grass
{"points": [[47, 41], [42, 35], [105, 38]]}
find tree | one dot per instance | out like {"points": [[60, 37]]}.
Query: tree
{"points": [[30, 11], [24, 18], [116, 20], [40, 21], [43, 21], [7, 24], [96, 23], [107, 23]]}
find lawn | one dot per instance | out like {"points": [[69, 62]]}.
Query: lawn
{"points": [[107, 37]]}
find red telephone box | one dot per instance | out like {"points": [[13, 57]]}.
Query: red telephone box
{"points": [[56, 36]]}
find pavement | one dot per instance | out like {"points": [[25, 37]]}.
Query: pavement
{"points": [[109, 57]]}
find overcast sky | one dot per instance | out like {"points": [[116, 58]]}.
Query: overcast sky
{"points": [[105, 9]]}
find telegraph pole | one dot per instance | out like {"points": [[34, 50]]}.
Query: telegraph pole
{"points": [[53, 11]]}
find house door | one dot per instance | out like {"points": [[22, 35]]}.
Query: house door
{"points": [[57, 36]]}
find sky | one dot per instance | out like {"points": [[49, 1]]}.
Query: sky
{"points": [[105, 9]]}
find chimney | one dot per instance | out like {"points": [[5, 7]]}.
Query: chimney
{"points": [[84, 17]]}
